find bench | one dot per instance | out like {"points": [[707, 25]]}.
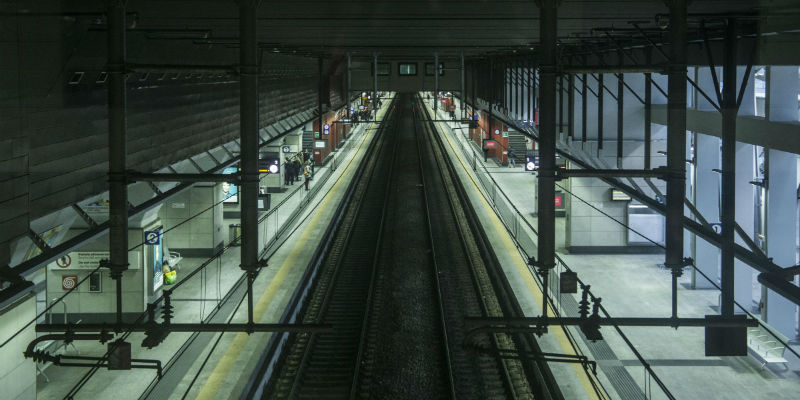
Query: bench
{"points": [[765, 347], [171, 258]]}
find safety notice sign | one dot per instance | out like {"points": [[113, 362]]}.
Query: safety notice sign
{"points": [[64, 262], [68, 282]]}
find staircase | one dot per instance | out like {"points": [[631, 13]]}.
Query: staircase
{"points": [[518, 142], [308, 139]]}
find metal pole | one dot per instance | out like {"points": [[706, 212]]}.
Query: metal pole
{"points": [[319, 96], [600, 96], [374, 88], [620, 114], [463, 108], [547, 144], [117, 149], [728, 195], [676, 144], [349, 84], [435, 83], [584, 106], [248, 128], [571, 107], [648, 103]]}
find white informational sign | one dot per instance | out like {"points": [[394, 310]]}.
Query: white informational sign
{"points": [[89, 260]]}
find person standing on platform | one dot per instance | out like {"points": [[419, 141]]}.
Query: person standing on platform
{"points": [[511, 157], [296, 164], [287, 172], [307, 174]]}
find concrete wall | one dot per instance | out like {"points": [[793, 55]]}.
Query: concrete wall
{"points": [[200, 236], [17, 374], [586, 227]]}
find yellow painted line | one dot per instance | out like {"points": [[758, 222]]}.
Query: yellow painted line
{"points": [[524, 272], [234, 350]]}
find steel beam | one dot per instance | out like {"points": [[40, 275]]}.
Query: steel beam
{"points": [[188, 327], [248, 110], [609, 69], [608, 321], [730, 110], [548, 23], [117, 149], [613, 173], [156, 177], [676, 144]]}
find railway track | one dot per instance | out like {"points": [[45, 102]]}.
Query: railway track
{"points": [[406, 265]]}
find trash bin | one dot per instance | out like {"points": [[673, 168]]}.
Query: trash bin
{"points": [[234, 234]]}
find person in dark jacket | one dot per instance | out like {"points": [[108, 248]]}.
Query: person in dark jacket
{"points": [[287, 173], [511, 157], [297, 168]]}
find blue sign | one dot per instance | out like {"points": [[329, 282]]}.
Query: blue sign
{"points": [[286, 149], [717, 227], [152, 238], [326, 129]]}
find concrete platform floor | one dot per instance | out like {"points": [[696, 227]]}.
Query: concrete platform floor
{"points": [[233, 358], [630, 285]]}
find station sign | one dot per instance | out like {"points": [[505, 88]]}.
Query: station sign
{"points": [[286, 149], [326, 129], [152, 238], [559, 201], [717, 227], [489, 144]]}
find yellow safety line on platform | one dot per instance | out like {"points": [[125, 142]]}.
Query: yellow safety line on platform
{"points": [[234, 350], [524, 272]]}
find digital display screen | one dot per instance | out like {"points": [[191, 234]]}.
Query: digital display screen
{"points": [[230, 193], [158, 261]]}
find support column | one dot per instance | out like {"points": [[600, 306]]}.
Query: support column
{"points": [[648, 118], [548, 23], [374, 88], [781, 233], [463, 100], [117, 148], [435, 83], [349, 85], [728, 194], [248, 128], [676, 144], [782, 93]]}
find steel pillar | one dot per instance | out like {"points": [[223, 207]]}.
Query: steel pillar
{"points": [[620, 116], [676, 144], [248, 114], [463, 100], [728, 196], [320, 85], [117, 148], [571, 107], [349, 84], [435, 82], [548, 11], [648, 118], [374, 88]]}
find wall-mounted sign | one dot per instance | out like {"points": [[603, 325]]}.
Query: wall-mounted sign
{"points": [[326, 129], [68, 282], [320, 144], [64, 262], [717, 227], [489, 144], [505, 133], [152, 238], [559, 200], [286, 149]]}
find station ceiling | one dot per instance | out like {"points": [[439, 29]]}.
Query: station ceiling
{"points": [[397, 28]]}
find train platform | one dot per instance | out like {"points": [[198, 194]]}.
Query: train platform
{"points": [[208, 365], [505, 199]]}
